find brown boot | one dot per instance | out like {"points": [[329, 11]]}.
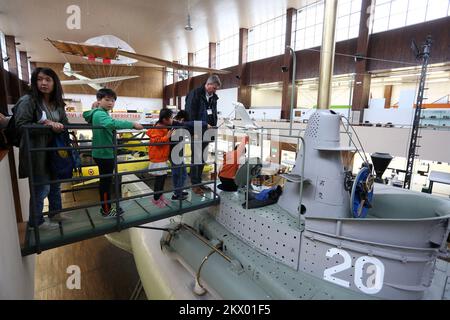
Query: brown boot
{"points": [[198, 191]]}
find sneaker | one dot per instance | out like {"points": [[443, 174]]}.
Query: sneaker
{"points": [[159, 203], [177, 197], [205, 188], [164, 200], [119, 209], [198, 191], [60, 217], [185, 193], [48, 225], [113, 213]]}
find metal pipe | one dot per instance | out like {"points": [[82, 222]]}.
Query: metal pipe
{"points": [[293, 90], [248, 176], [216, 174], [197, 276], [32, 192], [303, 150], [117, 185], [327, 55], [205, 241]]}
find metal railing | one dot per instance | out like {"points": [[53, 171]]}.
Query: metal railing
{"points": [[261, 132], [116, 175]]}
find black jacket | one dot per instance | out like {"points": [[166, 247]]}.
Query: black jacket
{"points": [[196, 106]]}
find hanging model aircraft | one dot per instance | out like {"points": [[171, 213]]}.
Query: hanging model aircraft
{"points": [[96, 84], [107, 55]]}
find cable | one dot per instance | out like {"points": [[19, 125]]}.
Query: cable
{"points": [[357, 137], [365, 57]]}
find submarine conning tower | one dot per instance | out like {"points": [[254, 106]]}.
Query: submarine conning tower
{"points": [[323, 178]]}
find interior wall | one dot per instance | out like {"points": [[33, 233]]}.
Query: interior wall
{"points": [[122, 103], [148, 85], [16, 272], [226, 99], [435, 91], [266, 98]]}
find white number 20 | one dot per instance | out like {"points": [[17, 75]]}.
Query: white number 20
{"points": [[374, 282]]}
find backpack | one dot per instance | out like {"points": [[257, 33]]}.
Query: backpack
{"points": [[11, 133], [64, 162]]}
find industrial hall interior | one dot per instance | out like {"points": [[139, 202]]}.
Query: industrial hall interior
{"points": [[237, 150]]}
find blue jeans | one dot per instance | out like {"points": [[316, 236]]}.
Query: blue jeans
{"points": [[50, 191], [196, 172], [179, 176]]}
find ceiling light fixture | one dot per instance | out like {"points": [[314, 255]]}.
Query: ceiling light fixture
{"points": [[188, 26]]}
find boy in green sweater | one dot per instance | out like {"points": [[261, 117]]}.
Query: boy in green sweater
{"points": [[104, 158]]}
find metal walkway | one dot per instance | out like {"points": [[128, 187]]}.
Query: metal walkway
{"points": [[88, 223], [85, 221]]}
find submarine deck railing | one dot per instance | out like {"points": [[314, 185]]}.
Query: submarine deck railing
{"points": [[261, 131], [56, 238]]}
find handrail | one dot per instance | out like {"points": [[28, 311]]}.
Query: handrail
{"points": [[260, 131], [116, 175]]}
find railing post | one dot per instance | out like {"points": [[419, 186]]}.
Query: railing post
{"points": [[117, 186], [248, 174], [216, 136], [32, 207], [302, 179]]}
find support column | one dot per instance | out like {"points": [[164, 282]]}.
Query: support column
{"points": [[244, 91], [14, 81], [174, 87], [212, 55], [24, 66], [388, 96], [11, 52], [361, 92], [166, 96], [287, 76], [3, 92], [190, 74]]}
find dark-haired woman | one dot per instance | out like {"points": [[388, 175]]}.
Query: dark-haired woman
{"points": [[42, 105]]}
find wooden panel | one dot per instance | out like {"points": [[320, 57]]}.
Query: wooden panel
{"points": [[3, 154], [396, 44], [244, 91], [212, 54], [11, 52], [265, 71], [24, 66], [388, 96], [148, 85], [13, 87], [3, 92], [390, 45], [15, 185]]}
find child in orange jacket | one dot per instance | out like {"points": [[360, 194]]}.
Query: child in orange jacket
{"points": [[159, 155], [230, 166]]}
